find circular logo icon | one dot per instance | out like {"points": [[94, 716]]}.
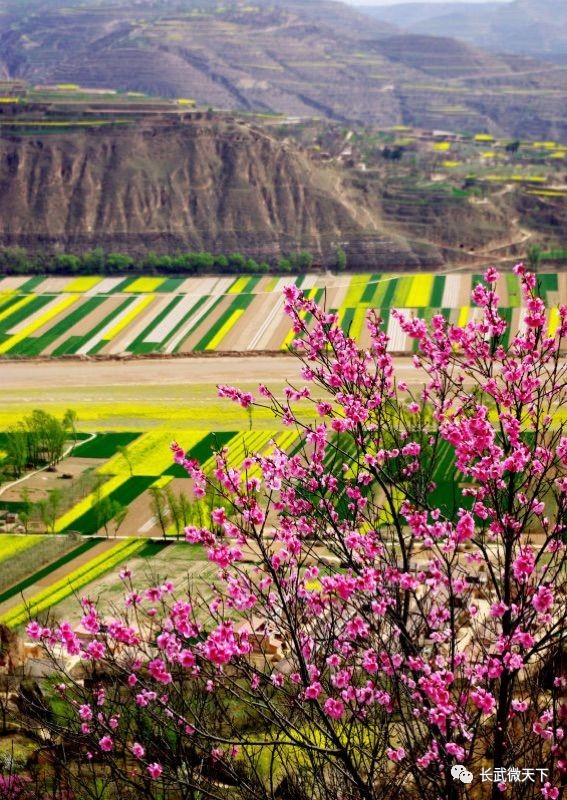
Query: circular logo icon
{"points": [[466, 776]]}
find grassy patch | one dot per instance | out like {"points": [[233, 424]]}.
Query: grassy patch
{"points": [[105, 445]]}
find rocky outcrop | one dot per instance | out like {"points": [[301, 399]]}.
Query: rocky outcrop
{"points": [[192, 185]]}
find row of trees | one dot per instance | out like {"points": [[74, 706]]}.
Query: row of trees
{"points": [[178, 510], [37, 440], [17, 261], [384, 640]]}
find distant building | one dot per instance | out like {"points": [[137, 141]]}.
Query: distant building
{"points": [[445, 135]]}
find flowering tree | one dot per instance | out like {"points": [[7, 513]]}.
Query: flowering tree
{"points": [[390, 601]]}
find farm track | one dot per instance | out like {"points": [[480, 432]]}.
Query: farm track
{"points": [[247, 369]]}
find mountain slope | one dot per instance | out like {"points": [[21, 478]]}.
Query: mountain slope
{"points": [[317, 58], [531, 27], [442, 57]]}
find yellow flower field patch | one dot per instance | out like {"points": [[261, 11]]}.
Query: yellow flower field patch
{"points": [[39, 322], [143, 285], [139, 305], [82, 284]]}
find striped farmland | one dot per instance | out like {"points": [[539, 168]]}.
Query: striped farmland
{"points": [[115, 315]]}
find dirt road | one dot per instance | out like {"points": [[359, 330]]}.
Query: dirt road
{"points": [[163, 372]]}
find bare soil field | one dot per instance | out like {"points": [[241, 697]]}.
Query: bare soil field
{"points": [[40, 483]]}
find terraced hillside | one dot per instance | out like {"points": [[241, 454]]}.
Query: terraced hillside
{"points": [[110, 316], [303, 59]]}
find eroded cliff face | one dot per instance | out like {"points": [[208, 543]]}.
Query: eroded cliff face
{"points": [[184, 186]]}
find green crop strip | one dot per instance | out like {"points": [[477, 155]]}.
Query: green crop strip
{"points": [[548, 283], [30, 285], [47, 570], [389, 293], [105, 445], [506, 313], [370, 289], [193, 328], [381, 292], [438, 290], [21, 314], [170, 285], [241, 301], [98, 347], [384, 314], [448, 498], [13, 506], [139, 345], [347, 319], [73, 344], [255, 279], [70, 345], [34, 346], [10, 302], [125, 284], [445, 469]]}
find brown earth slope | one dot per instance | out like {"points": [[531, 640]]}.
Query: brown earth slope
{"points": [[208, 185]]}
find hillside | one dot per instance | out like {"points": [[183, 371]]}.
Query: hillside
{"points": [[174, 181], [536, 28], [441, 57], [197, 185], [320, 58]]}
